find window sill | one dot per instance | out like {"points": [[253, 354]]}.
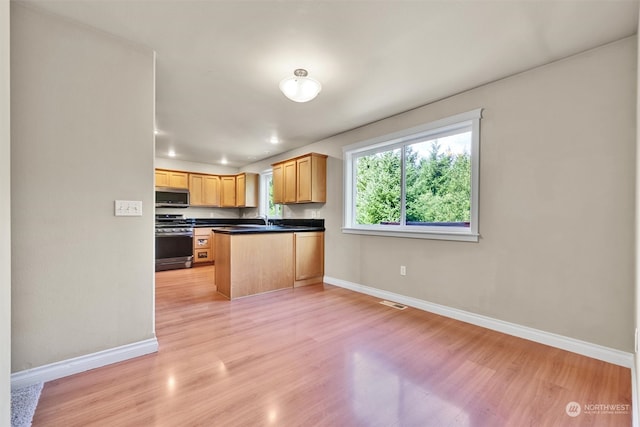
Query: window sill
{"points": [[433, 235]]}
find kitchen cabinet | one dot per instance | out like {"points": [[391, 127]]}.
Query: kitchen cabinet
{"points": [[228, 191], [311, 178], [175, 179], [309, 258], [247, 190], [278, 183], [300, 180], [203, 247], [204, 190], [290, 182]]}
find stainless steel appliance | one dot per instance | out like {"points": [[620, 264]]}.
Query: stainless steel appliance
{"points": [[168, 197], [174, 242]]}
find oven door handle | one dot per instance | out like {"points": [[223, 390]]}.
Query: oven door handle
{"points": [[174, 235]]}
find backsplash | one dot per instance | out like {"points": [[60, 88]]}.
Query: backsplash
{"points": [[199, 212]]}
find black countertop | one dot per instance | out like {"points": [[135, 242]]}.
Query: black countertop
{"points": [[256, 225]]}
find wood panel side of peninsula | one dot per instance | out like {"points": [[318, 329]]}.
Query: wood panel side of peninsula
{"points": [[253, 263]]}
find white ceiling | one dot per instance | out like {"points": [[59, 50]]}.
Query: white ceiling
{"points": [[219, 62]]}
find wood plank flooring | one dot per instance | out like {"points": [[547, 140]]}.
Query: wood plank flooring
{"points": [[325, 356]]}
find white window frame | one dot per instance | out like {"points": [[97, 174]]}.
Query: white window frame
{"points": [[399, 139], [264, 195]]}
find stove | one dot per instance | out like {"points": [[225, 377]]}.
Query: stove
{"points": [[174, 242]]}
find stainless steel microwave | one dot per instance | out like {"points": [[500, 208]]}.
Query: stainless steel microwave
{"points": [[167, 197]]}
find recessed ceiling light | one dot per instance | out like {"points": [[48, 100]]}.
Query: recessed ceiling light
{"points": [[274, 140], [156, 131], [224, 161], [171, 153]]}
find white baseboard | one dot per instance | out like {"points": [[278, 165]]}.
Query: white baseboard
{"points": [[610, 355], [79, 364]]}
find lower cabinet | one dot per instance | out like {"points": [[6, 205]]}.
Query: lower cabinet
{"points": [[203, 247], [309, 258]]}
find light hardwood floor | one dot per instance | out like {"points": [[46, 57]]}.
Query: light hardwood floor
{"points": [[324, 356]]}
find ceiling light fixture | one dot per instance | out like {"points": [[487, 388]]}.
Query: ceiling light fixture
{"points": [[171, 153], [299, 87]]}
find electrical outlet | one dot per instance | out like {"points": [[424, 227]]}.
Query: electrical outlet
{"points": [[128, 208], [403, 270]]}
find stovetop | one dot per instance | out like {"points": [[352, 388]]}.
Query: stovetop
{"points": [[173, 220]]}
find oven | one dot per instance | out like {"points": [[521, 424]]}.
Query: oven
{"points": [[174, 242]]}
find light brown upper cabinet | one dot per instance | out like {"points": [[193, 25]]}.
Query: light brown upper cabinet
{"points": [[175, 179], [228, 191], [247, 190], [278, 183], [204, 190], [312, 178], [301, 180], [290, 182], [225, 191]]}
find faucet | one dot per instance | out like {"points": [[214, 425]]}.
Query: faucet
{"points": [[264, 218]]}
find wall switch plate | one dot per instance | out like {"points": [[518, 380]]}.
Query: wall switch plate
{"points": [[128, 208], [403, 270]]}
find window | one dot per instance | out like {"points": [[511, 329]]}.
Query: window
{"points": [[267, 207], [421, 182]]}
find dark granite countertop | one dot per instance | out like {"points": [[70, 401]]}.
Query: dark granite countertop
{"points": [[261, 229], [256, 225]]}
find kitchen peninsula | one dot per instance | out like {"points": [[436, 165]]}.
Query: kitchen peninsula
{"points": [[252, 259]]}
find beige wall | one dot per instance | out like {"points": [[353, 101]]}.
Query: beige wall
{"points": [[556, 204], [82, 118], [5, 221]]}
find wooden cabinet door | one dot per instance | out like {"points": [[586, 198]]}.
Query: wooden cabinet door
{"points": [[228, 191], [240, 190], [204, 190], [290, 182], [175, 179], [178, 179], [278, 183], [303, 176], [211, 190], [162, 178], [309, 256], [312, 179], [196, 190]]}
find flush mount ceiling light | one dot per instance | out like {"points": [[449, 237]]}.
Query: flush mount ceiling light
{"points": [[299, 87]]}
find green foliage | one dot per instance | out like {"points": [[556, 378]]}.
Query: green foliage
{"points": [[438, 187], [273, 210], [378, 183]]}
